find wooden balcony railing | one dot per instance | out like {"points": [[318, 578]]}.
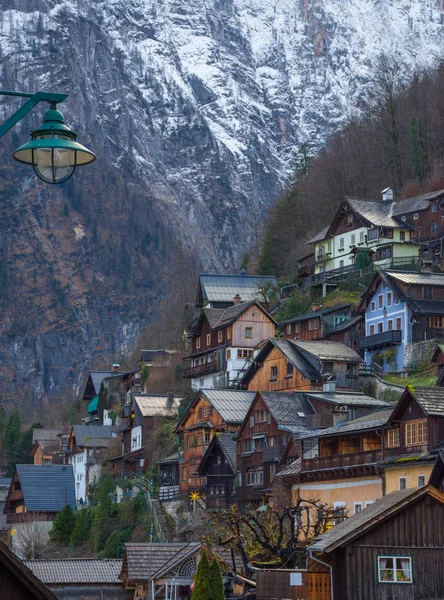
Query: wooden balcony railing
{"points": [[201, 370], [341, 460], [387, 338]]}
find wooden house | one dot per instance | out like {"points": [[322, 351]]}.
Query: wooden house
{"points": [[316, 324], [218, 467], [168, 474], [161, 571], [391, 549], [288, 365], [39, 492], [211, 412], [401, 308], [348, 332], [224, 341], [424, 213], [17, 582], [218, 291]]}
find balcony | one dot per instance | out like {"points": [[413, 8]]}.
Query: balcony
{"points": [[338, 461], [347, 380], [387, 338], [200, 370]]}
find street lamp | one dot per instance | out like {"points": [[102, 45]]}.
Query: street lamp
{"points": [[53, 150]]}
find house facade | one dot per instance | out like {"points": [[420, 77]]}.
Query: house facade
{"points": [[424, 213], [400, 308], [316, 325], [218, 291], [224, 342], [210, 413], [218, 468]]}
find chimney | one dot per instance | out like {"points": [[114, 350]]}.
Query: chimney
{"points": [[387, 195], [427, 268], [242, 271], [170, 400], [315, 306], [329, 386], [237, 299], [115, 367]]}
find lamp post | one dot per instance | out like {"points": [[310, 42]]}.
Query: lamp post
{"points": [[53, 151]]}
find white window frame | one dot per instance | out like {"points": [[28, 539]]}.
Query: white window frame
{"points": [[425, 481], [361, 236], [355, 506], [389, 297], [405, 483], [368, 503], [394, 558], [403, 218], [339, 505], [415, 216]]}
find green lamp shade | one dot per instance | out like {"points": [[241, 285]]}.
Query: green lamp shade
{"points": [[53, 152]]}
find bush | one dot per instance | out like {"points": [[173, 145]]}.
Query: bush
{"points": [[64, 525]]}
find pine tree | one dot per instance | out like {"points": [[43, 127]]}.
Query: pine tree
{"points": [[216, 582], [64, 525], [202, 583]]}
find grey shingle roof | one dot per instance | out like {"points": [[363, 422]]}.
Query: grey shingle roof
{"points": [[319, 236], [143, 562], [292, 469], [377, 213], [213, 315], [47, 488], [285, 406], [368, 517], [346, 324], [326, 350], [83, 432], [154, 405], [347, 399], [415, 203], [316, 313], [98, 376], [228, 445], [168, 459], [76, 570], [232, 405], [44, 434], [223, 288], [431, 400], [296, 358], [372, 421], [410, 277]]}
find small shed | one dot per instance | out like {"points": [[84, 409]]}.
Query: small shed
{"points": [[392, 549]]}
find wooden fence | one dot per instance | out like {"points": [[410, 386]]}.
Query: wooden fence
{"points": [[275, 585]]}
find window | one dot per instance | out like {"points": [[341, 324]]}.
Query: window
{"points": [[396, 300], [403, 218], [389, 298], [436, 322], [229, 333], [416, 433], [239, 353], [372, 234], [259, 443], [361, 236], [288, 329], [208, 339], [353, 239], [403, 483], [380, 327], [338, 319], [341, 243], [398, 323], [207, 438], [402, 236], [372, 330], [289, 370], [198, 342], [255, 477], [419, 232], [248, 333], [339, 508], [252, 421], [380, 301], [393, 438], [383, 253], [415, 216], [184, 473], [273, 373], [395, 569], [390, 325], [434, 228], [349, 218], [357, 507], [373, 306], [273, 440], [220, 335], [434, 208], [261, 416], [297, 328], [427, 292], [272, 470], [247, 446], [341, 264], [421, 480], [209, 411], [201, 412], [228, 354], [329, 247], [313, 324]]}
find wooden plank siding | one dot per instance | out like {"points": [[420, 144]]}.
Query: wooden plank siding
{"points": [[283, 383], [262, 328], [275, 585]]}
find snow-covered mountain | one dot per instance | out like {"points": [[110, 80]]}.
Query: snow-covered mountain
{"points": [[195, 108]]}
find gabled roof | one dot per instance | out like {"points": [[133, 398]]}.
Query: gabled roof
{"points": [[83, 432], [375, 420], [45, 434], [172, 458], [222, 317], [287, 408], [213, 315], [17, 570], [143, 562], [345, 325], [348, 399], [155, 405], [227, 444], [98, 376], [377, 213], [291, 470], [77, 571], [412, 278], [415, 203], [319, 236], [430, 399], [223, 288], [232, 405], [371, 517], [47, 488], [317, 313], [328, 351]]}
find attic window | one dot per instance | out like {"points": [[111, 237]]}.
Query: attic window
{"points": [[349, 218], [219, 336], [289, 369], [415, 216], [403, 218], [301, 414], [434, 208]]}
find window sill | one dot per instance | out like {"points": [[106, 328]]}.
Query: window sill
{"points": [[341, 249], [273, 380], [288, 376]]}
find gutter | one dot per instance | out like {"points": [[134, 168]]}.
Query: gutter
{"points": [[310, 552]]}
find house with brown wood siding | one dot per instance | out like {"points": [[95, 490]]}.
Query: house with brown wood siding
{"points": [[218, 468], [211, 412], [316, 324]]}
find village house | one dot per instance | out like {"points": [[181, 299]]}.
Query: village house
{"points": [[142, 416], [401, 308], [39, 492], [87, 445], [380, 554], [107, 390], [218, 468], [50, 446], [218, 291], [424, 213], [367, 229], [291, 365], [349, 333], [224, 342], [316, 324], [168, 473], [161, 571], [210, 413]]}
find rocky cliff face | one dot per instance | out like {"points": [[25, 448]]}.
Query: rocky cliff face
{"points": [[196, 111]]}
